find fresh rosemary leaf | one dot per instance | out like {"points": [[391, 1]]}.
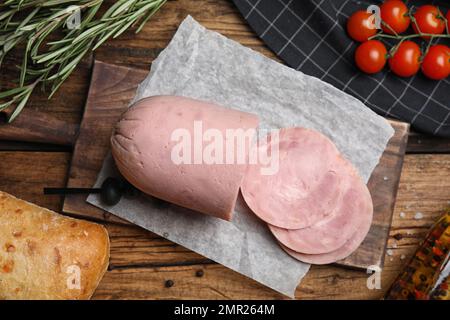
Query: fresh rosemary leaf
{"points": [[20, 106], [105, 37], [89, 32], [57, 2], [45, 57], [70, 66], [6, 15], [90, 15], [11, 92], [6, 105], [110, 11], [123, 7], [150, 14], [23, 69], [58, 42], [38, 38], [123, 28], [29, 17], [50, 63]]}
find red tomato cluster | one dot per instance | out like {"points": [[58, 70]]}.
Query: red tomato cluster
{"points": [[405, 59]]}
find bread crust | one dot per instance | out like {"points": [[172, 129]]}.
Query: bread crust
{"points": [[44, 255]]}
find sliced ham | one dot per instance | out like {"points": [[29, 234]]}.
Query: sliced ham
{"points": [[316, 201], [142, 146], [341, 253], [354, 208], [307, 186]]}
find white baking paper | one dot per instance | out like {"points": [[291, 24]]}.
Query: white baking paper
{"points": [[203, 64]]}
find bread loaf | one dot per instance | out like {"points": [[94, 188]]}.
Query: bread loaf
{"points": [[44, 255]]}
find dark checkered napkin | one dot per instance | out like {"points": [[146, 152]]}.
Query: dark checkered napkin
{"points": [[310, 35]]}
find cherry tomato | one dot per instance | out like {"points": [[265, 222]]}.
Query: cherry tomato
{"points": [[406, 60], [359, 26], [429, 19], [370, 56], [436, 64], [395, 14]]}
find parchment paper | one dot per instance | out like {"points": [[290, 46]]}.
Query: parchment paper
{"points": [[203, 64]]}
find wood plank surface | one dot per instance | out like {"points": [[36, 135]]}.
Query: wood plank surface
{"points": [[25, 174], [39, 126], [141, 262], [383, 185], [110, 92], [65, 106], [6, 145], [112, 88], [422, 143]]}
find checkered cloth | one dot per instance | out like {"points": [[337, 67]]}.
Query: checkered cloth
{"points": [[310, 35]]}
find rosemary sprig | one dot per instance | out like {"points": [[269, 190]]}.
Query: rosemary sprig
{"points": [[50, 63]]}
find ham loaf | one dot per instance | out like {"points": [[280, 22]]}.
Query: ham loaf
{"points": [[143, 144]]}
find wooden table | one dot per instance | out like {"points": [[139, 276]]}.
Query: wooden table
{"points": [[141, 262]]}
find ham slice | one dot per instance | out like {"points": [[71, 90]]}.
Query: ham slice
{"points": [[341, 253], [316, 201], [143, 144], [330, 234], [306, 188]]}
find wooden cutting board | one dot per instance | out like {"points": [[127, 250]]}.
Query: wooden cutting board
{"points": [[112, 87], [38, 126]]}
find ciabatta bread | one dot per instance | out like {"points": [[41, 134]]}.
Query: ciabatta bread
{"points": [[44, 255]]}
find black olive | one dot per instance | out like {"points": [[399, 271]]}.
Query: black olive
{"points": [[111, 191]]}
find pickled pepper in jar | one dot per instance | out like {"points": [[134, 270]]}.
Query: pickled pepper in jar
{"points": [[426, 276]]}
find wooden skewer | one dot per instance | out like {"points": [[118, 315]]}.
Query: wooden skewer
{"points": [[110, 192]]}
